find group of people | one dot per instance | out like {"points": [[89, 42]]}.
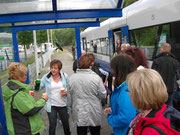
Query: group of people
{"points": [[137, 104]]}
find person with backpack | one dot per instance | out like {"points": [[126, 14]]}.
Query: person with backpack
{"points": [[56, 84], [148, 94]]}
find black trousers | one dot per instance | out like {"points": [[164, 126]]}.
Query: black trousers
{"points": [[93, 130], [63, 115]]}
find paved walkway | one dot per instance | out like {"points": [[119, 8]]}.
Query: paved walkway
{"points": [[67, 61]]}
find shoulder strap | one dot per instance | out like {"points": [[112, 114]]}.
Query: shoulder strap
{"points": [[160, 131], [64, 76], [13, 98]]}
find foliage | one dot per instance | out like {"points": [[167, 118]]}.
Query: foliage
{"points": [[25, 38], [42, 36], [82, 28], [64, 36], [147, 36], [128, 2], [103, 19]]}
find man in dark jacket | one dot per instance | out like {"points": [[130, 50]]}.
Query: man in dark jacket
{"points": [[75, 64], [166, 64]]}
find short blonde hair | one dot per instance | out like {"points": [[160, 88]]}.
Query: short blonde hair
{"points": [[16, 70], [125, 46], [147, 89]]}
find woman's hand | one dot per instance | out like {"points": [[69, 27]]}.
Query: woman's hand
{"points": [[63, 93], [106, 80], [34, 83], [31, 93], [107, 110], [45, 96]]}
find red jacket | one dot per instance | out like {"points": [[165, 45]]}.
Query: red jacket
{"points": [[157, 118]]}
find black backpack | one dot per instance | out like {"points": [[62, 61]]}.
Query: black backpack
{"points": [[95, 68], [175, 99]]}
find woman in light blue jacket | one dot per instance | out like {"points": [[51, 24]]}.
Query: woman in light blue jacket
{"points": [[122, 111], [54, 82]]}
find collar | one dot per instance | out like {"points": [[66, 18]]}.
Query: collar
{"points": [[168, 54], [50, 74], [121, 85], [154, 112], [84, 70], [14, 84]]}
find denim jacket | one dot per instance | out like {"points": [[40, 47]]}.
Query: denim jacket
{"points": [[46, 83]]}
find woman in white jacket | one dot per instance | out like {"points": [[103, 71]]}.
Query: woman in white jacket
{"points": [[86, 90]]}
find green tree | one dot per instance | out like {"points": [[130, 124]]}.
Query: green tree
{"points": [[41, 36], [25, 38], [128, 2], [64, 37]]}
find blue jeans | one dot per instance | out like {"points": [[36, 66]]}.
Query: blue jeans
{"points": [[63, 115]]}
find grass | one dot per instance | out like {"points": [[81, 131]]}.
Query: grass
{"points": [[64, 51], [3, 72], [28, 61]]}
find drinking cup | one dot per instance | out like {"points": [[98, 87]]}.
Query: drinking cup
{"points": [[62, 91], [44, 94], [31, 93]]}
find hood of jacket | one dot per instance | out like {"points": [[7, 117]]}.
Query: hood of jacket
{"points": [[12, 87]]}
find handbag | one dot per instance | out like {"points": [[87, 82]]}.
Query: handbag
{"points": [[108, 90]]}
